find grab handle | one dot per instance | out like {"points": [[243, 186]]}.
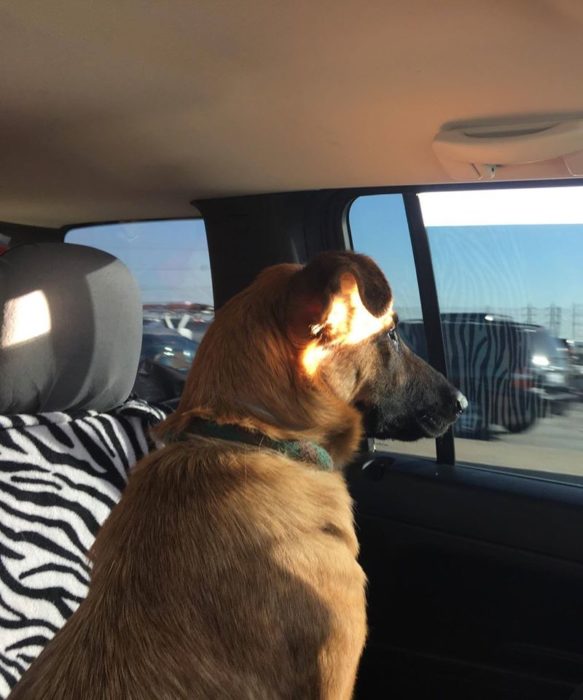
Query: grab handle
{"points": [[484, 148]]}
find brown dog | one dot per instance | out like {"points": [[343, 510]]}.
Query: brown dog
{"points": [[228, 569]]}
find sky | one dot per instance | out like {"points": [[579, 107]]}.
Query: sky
{"points": [[504, 251], [512, 252], [168, 258]]}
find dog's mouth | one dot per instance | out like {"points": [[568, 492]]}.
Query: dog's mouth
{"points": [[421, 425], [426, 426], [433, 426]]}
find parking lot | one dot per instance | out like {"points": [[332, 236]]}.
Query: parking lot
{"points": [[553, 444]]}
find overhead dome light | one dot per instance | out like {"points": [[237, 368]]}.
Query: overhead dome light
{"points": [[476, 152]]}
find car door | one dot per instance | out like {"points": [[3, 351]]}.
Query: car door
{"points": [[472, 544]]}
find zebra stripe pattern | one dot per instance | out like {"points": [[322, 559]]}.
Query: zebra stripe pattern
{"points": [[491, 363], [60, 476]]}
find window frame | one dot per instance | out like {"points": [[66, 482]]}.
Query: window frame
{"points": [[444, 445]]}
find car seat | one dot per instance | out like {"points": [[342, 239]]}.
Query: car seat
{"points": [[70, 336]]}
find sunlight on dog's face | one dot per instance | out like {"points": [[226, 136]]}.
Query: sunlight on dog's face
{"points": [[360, 356], [348, 322]]}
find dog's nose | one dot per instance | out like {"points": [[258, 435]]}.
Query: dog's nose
{"points": [[461, 403]]}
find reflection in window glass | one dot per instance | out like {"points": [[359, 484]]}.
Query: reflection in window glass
{"points": [[170, 261], [508, 272], [378, 225]]}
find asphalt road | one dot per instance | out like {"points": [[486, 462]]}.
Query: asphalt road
{"points": [[553, 444]]}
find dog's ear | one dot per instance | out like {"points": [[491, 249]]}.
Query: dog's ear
{"points": [[339, 298]]}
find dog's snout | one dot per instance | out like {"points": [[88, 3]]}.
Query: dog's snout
{"points": [[461, 403]]}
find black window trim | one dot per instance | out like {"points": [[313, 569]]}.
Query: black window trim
{"points": [[444, 445]]}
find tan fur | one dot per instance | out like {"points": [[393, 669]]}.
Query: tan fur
{"points": [[229, 571], [247, 371]]}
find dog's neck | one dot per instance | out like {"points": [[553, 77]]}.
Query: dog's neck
{"points": [[299, 450]]}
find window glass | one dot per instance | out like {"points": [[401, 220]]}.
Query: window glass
{"points": [[378, 225], [170, 261], [509, 273]]}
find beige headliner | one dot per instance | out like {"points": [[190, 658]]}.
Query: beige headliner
{"points": [[116, 109]]}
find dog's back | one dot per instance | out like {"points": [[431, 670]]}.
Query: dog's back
{"points": [[229, 570], [218, 578]]}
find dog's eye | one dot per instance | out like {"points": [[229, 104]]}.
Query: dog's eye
{"points": [[394, 337]]}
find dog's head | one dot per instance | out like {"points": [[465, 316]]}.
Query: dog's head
{"points": [[342, 314], [305, 351]]}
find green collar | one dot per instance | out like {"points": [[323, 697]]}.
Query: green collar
{"points": [[301, 450]]}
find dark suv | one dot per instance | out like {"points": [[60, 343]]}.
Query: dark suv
{"points": [[512, 373]]}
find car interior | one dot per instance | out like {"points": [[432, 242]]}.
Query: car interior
{"points": [[198, 143]]}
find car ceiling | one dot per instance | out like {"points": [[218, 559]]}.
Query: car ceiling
{"points": [[124, 109]]}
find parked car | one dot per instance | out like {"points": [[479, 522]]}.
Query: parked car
{"points": [[576, 358], [191, 323], [512, 373], [167, 347], [165, 359], [552, 370]]}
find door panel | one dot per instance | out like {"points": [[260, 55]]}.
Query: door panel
{"points": [[475, 582]]}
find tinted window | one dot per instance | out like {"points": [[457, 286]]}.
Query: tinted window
{"points": [[378, 226], [170, 261], [508, 272], [512, 257]]}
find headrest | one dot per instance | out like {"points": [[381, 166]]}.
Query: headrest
{"points": [[70, 329]]}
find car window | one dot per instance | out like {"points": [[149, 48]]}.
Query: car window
{"points": [[170, 261], [507, 266], [513, 254], [378, 227]]}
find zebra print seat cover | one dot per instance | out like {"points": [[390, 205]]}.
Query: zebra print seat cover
{"points": [[60, 476]]}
